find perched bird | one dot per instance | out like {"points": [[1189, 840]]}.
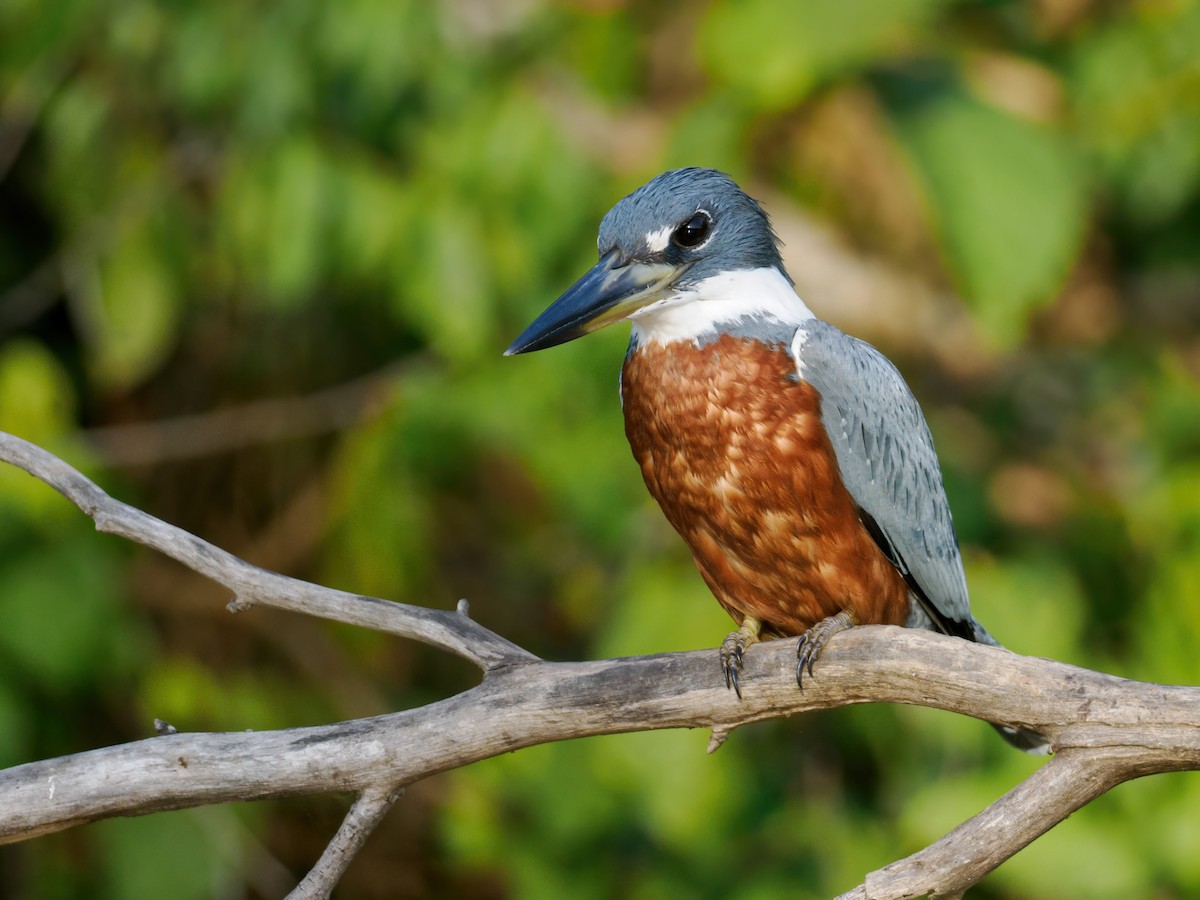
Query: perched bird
{"points": [[792, 458]]}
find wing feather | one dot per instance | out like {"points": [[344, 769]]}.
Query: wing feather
{"points": [[888, 464]]}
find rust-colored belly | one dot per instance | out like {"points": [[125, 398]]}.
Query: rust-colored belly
{"points": [[732, 447]]}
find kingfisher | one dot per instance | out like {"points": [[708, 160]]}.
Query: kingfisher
{"points": [[792, 458]]}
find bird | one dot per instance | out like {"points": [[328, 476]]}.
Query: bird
{"points": [[791, 457]]}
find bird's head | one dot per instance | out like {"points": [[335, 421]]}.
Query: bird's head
{"points": [[660, 247]]}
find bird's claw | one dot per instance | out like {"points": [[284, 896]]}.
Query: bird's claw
{"points": [[813, 642], [733, 650]]}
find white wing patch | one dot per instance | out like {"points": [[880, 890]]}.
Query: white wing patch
{"points": [[798, 350]]}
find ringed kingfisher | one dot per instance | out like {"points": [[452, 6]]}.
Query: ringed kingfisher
{"points": [[792, 458]]}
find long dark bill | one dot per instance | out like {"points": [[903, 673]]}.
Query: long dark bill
{"points": [[608, 293]]}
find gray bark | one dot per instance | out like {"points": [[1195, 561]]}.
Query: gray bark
{"points": [[1104, 730]]}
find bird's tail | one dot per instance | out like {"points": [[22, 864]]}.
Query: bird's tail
{"points": [[1021, 738], [1024, 739]]}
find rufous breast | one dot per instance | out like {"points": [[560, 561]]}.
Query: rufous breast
{"points": [[732, 446]]}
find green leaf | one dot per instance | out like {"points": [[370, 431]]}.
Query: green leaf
{"points": [[78, 156], [444, 289], [295, 215], [371, 215], [37, 403], [1137, 107], [192, 697], [171, 854], [719, 124], [135, 315], [1007, 597], [60, 609], [1007, 199], [778, 52], [382, 548], [272, 217], [35, 395], [16, 719]]}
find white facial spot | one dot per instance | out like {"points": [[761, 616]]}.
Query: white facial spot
{"points": [[657, 241]]}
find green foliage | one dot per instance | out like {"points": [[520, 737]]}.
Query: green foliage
{"points": [[210, 204], [34, 392], [778, 53], [1137, 94], [195, 852], [1008, 201], [136, 316], [59, 616]]}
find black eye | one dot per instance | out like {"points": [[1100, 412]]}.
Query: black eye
{"points": [[693, 232]]}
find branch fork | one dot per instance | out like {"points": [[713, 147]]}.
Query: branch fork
{"points": [[1104, 730]]}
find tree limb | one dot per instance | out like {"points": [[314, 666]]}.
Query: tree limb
{"points": [[1068, 781], [1104, 729], [367, 812], [452, 631]]}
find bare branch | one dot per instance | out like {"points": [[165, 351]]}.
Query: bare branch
{"points": [[254, 586], [1104, 729], [1110, 718], [366, 813], [1068, 782]]}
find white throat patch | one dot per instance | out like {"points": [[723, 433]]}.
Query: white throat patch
{"points": [[745, 293]]}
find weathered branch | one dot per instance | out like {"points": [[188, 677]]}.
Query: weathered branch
{"points": [[1104, 729], [251, 585], [367, 812], [1067, 782]]}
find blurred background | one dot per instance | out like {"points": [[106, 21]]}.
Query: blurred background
{"points": [[258, 263]]}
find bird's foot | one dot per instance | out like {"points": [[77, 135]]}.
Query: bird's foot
{"points": [[813, 641], [733, 649]]}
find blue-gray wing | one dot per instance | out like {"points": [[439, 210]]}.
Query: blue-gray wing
{"points": [[889, 466]]}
